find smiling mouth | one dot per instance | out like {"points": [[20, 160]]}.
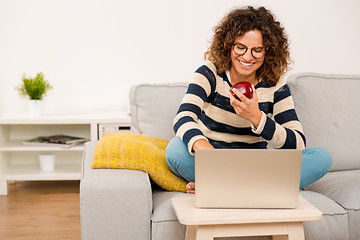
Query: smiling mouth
{"points": [[246, 64]]}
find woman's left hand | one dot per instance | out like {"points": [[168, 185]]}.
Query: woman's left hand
{"points": [[246, 108]]}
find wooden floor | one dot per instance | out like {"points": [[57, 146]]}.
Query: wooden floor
{"points": [[40, 210]]}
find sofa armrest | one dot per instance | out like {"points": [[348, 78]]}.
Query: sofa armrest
{"points": [[114, 203]]}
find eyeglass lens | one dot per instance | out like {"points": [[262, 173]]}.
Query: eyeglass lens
{"points": [[256, 52]]}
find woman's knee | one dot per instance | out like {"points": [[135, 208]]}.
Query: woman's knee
{"points": [[316, 163], [175, 148], [324, 158], [176, 152]]}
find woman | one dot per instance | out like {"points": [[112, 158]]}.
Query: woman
{"points": [[248, 45]]}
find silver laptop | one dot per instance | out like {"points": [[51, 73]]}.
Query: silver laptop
{"points": [[247, 178]]}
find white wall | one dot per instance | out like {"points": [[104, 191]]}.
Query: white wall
{"points": [[92, 51]]}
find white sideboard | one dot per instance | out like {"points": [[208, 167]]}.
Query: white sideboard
{"points": [[19, 162]]}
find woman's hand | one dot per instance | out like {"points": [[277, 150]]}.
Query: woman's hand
{"points": [[202, 144], [246, 108], [198, 144]]}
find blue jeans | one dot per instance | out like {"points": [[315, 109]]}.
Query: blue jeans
{"points": [[316, 162]]}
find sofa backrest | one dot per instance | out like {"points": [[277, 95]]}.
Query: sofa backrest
{"points": [[153, 107], [328, 107]]}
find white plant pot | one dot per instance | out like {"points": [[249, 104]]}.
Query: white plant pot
{"points": [[47, 162], [36, 108]]}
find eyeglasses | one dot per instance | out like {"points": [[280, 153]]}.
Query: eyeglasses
{"points": [[256, 52]]}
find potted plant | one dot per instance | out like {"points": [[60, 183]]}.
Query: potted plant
{"points": [[34, 88]]}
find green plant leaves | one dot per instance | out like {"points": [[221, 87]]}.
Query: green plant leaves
{"points": [[34, 88]]}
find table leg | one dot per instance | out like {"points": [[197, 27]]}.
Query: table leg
{"points": [[296, 231], [205, 232], [190, 233], [3, 187]]}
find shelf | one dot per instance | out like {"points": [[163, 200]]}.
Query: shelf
{"points": [[32, 172], [20, 162], [16, 145]]}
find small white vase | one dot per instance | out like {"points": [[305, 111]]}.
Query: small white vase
{"points": [[36, 108], [47, 162]]}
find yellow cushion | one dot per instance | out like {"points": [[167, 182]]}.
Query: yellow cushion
{"points": [[137, 152]]}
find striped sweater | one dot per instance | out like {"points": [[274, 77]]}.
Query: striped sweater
{"points": [[206, 113]]}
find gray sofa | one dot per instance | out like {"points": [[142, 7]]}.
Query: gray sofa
{"points": [[125, 204]]}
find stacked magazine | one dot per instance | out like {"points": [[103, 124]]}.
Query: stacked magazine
{"points": [[56, 141]]}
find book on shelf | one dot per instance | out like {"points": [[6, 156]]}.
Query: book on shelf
{"points": [[65, 141]]}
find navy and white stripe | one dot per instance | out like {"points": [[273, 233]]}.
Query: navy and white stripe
{"points": [[206, 113]]}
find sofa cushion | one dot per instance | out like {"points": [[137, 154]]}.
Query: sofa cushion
{"points": [[162, 206], [328, 106], [167, 230], [137, 152], [326, 205], [334, 218], [153, 108], [344, 188]]}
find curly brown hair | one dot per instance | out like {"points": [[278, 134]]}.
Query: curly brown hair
{"points": [[236, 24]]}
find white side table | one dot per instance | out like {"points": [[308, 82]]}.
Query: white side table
{"points": [[205, 224]]}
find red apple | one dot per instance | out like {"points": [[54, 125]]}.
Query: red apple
{"points": [[243, 87]]}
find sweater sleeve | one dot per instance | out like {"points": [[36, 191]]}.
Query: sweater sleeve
{"points": [[186, 120], [284, 131]]}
